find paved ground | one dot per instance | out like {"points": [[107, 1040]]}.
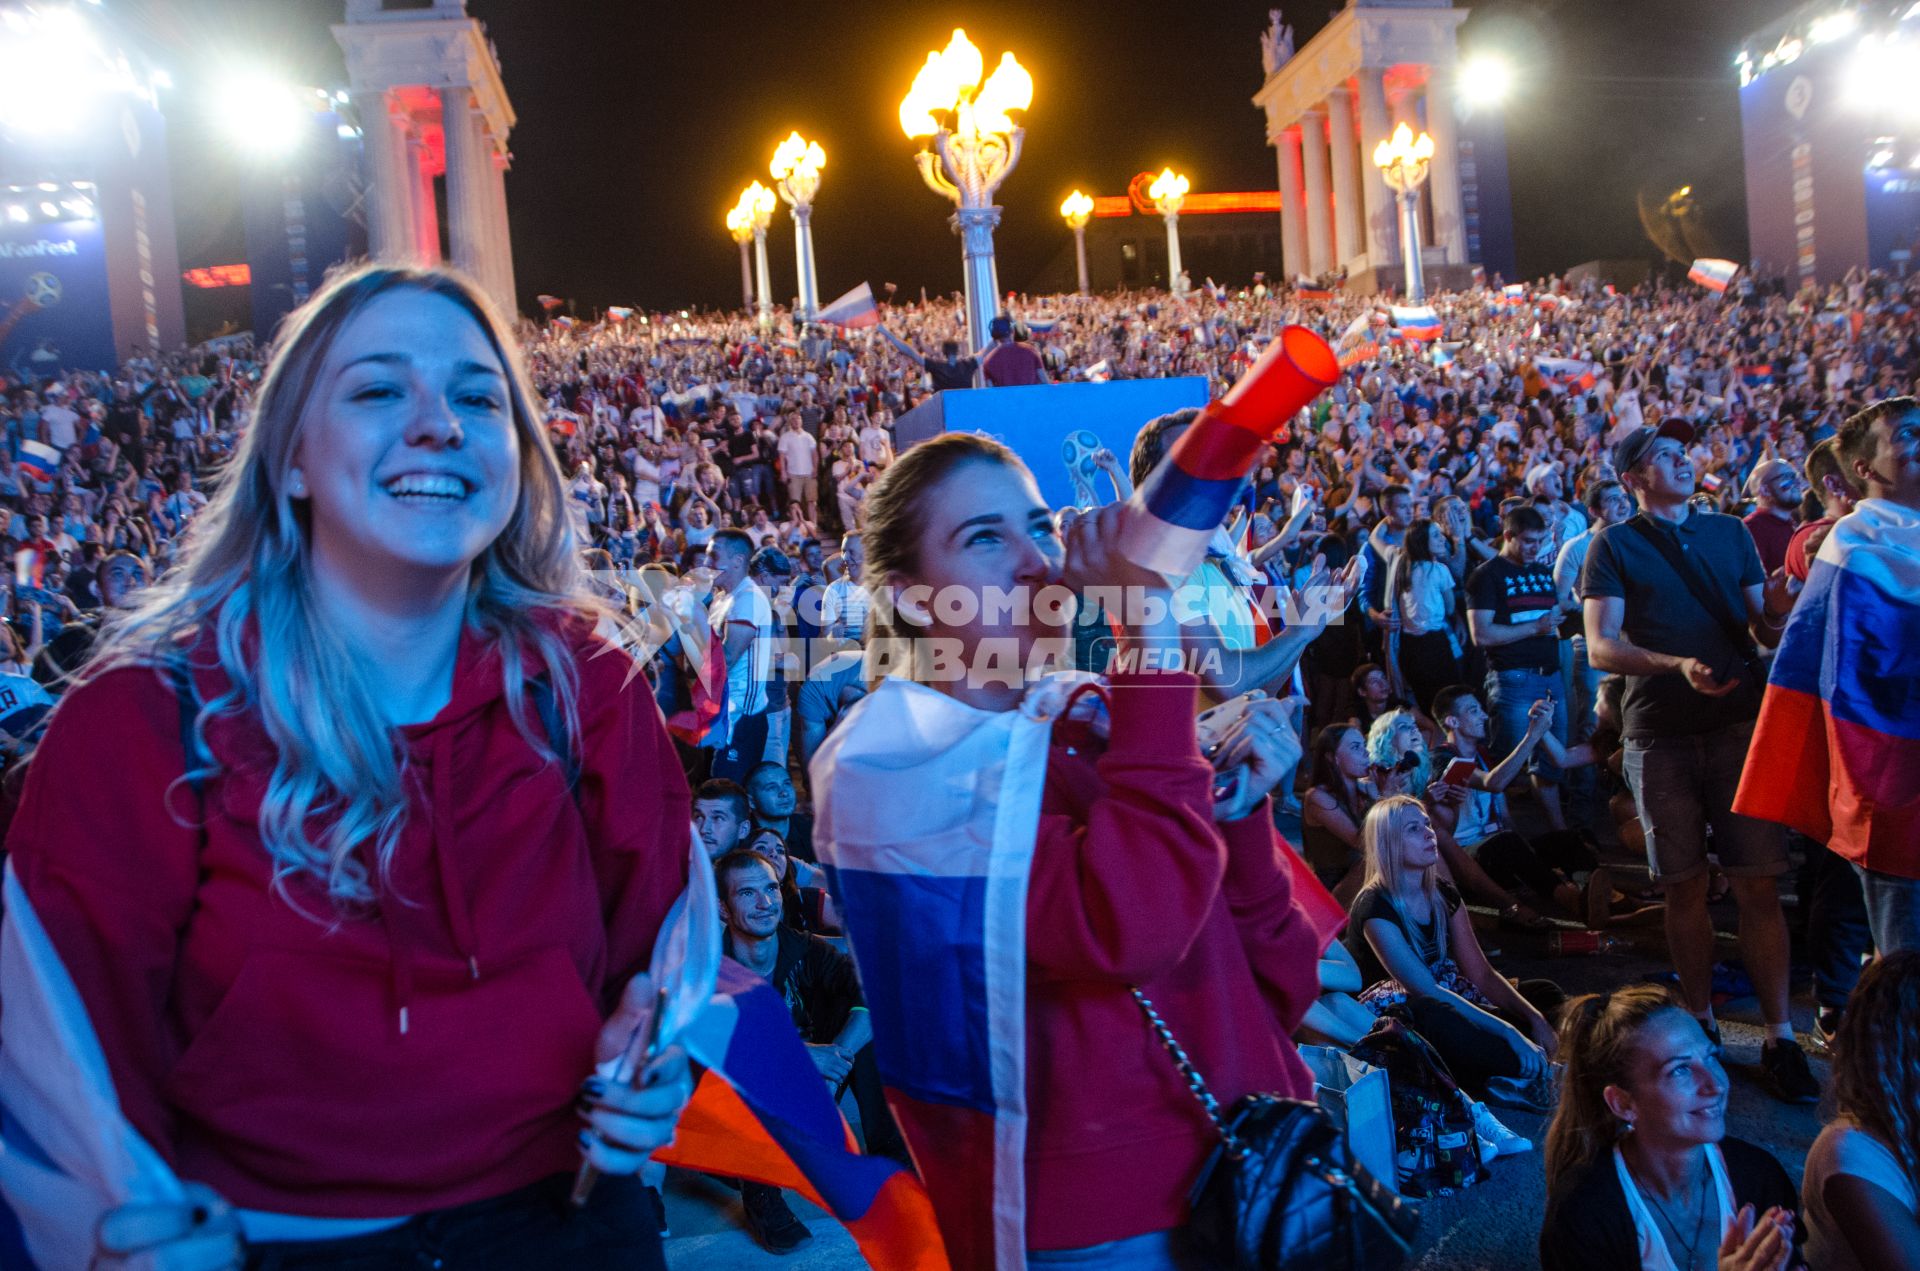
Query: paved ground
{"points": [[1491, 1227]]}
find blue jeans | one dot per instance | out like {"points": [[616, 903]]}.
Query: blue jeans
{"points": [[1155, 1251], [1509, 696], [1893, 909], [1837, 930]]}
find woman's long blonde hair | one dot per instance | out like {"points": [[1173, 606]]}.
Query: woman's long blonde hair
{"points": [[1380, 853], [244, 577]]}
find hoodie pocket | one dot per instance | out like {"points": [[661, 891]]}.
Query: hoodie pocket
{"points": [[301, 1079]]}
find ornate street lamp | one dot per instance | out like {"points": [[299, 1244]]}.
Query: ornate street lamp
{"points": [[796, 172], [748, 222], [1403, 160], [740, 225], [1169, 195], [1077, 209], [972, 144]]}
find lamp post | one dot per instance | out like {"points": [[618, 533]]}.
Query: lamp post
{"points": [[971, 144], [1169, 194], [748, 222], [1077, 209], [740, 225], [1403, 160], [796, 172]]}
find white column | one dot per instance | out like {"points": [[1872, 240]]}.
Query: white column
{"points": [[1313, 153], [426, 216], [389, 204], [1382, 214], [467, 164], [1293, 219], [1349, 239], [1443, 177], [502, 231]]}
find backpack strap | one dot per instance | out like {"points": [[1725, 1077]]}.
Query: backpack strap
{"points": [[1704, 595]]}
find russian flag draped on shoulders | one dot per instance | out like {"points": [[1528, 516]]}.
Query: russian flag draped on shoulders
{"points": [[934, 890], [1836, 751]]}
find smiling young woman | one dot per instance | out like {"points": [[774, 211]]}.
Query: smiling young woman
{"points": [[354, 833], [1640, 1170]]}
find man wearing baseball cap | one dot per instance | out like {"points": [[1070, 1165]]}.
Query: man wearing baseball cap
{"points": [[1676, 599], [1011, 362]]}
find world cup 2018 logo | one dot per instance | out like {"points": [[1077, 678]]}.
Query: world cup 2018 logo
{"points": [[43, 291]]}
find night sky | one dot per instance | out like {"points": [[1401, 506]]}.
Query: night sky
{"points": [[640, 121]]}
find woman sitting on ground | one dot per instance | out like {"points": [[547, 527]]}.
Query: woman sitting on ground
{"points": [[1640, 1171], [1422, 963], [1861, 1193]]}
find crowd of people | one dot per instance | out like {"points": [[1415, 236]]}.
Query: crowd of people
{"points": [[1491, 621]]}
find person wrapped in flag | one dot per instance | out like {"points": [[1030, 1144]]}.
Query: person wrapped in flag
{"points": [[1006, 874], [354, 835], [1836, 750]]}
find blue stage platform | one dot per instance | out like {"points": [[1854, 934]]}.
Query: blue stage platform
{"points": [[1034, 421]]}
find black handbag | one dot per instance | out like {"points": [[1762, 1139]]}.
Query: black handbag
{"points": [[1282, 1192]]}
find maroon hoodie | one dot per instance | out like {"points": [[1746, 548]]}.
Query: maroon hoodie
{"points": [[1133, 883], [376, 1065]]}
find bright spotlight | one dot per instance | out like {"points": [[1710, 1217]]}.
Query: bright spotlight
{"points": [[15, 212], [1834, 26], [1486, 79], [1877, 77], [263, 115], [48, 209]]}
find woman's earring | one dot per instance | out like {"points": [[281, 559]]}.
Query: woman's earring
{"points": [[296, 484], [1626, 1127]]}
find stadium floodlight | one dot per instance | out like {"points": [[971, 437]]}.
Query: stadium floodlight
{"points": [[1486, 79], [51, 65], [263, 115]]}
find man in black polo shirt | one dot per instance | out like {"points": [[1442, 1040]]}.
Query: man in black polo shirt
{"points": [[1694, 680], [1513, 614]]}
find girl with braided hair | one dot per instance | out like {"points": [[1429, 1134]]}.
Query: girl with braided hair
{"points": [[1640, 1171], [1861, 1193]]}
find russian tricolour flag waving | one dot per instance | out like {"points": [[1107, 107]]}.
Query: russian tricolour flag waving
{"points": [[1712, 274], [38, 460], [1836, 752], [1417, 322], [855, 309]]}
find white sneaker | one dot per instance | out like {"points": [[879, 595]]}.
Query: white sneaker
{"points": [[1496, 1139]]}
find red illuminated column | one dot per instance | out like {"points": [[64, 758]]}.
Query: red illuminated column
{"points": [[426, 212], [1313, 156], [1349, 238], [1293, 221]]}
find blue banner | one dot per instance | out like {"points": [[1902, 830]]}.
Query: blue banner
{"points": [[54, 308]]}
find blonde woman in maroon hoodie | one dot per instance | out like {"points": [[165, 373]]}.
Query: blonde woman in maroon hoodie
{"points": [[355, 834], [1137, 878]]}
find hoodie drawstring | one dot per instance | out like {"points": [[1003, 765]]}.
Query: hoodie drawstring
{"points": [[439, 811]]}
